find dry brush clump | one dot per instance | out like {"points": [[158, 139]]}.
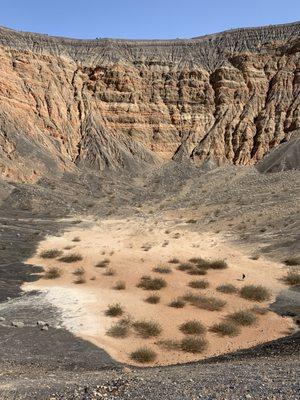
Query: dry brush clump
{"points": [[80, 280], [153, 299], [198, 284], [185, 266], [194, 344], [162, 270], [79, 271], [53, 273], [227, 288], [193, 327], [52, 253], [225, 328], [120, 329], [69, 258], [177, 303], [292, 277], [242, 317], [114, 310], [76, 239], [197, 271], [255, 293], [143, 355], [109, 272], [174, 260], [119, 285], [205, 302], [147, 329], [103, 264], [292, 261], [149, 283]]}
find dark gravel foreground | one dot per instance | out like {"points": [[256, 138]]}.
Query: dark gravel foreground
{"points": [[55, 365]]}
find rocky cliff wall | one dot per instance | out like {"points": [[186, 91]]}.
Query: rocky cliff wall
{"points": [[64, 103]]}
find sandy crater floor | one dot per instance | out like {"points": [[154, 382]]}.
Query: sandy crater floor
{"points": [[83, 305]]}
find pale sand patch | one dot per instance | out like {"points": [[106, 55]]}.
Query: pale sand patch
{"points": [[83, 306]]}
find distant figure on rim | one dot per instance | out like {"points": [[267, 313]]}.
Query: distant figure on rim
{"points": [[243, 276]]}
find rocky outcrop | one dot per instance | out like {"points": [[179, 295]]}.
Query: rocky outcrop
{"points": [[68, 104]]}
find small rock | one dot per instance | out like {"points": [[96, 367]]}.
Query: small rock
{"points": [[41, 323], [17, 324], [44, 328], [2, 319]]}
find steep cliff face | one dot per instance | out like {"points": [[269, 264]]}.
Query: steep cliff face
{"points": [[101, 104]]}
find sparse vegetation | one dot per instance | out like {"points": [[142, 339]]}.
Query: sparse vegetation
{"points": [[205, 302], [218, 264], [52, 253], [177, 303], [162, 269], [255, 293], [259, 310], [242, 317], [153, 299], [53, 273], [147, 329], [81, 279], [194, 344], [199, 284], [225, 328], [143, 355], [114, 310], [79, 271], [120, 285], [120, 329], [227, 288], [292, 261], [197, 271], [109, 272], [185, 266], [103, 264], [292, 277], [76, 239], [148, 283], [174, 261], [69, 258], [192, 328]]}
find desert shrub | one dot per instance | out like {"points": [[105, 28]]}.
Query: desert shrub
{"points": [[162, 270], [53, 273], [227, 288], [255, 293], [120, 329], [218, 264], [177, 303], [185, 266], [242, 317], [69, 258], [292, 277], [192, 328], [205, 302], [148, 283], [103, 264], [191, 221], [52, 253], [197, 271], [200, 284], [143, 355], [114, 310], [120, 285], [81, 279], [147, 329], [292, 261], [109, 272], [259, 310], [225, 328], [153, 299], [68, 247], [174, 261], [76, 239], [168, 344], [194, 344], [79, 271]]}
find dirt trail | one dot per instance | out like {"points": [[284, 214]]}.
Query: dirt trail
{"points": [[83, 305]]}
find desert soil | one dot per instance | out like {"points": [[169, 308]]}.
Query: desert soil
{"points": [[134, 247]]}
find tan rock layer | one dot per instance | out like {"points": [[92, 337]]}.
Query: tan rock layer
{"points": [[101, 104]]}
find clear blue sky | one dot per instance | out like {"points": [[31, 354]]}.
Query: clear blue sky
{"points": [[143, 18]]}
